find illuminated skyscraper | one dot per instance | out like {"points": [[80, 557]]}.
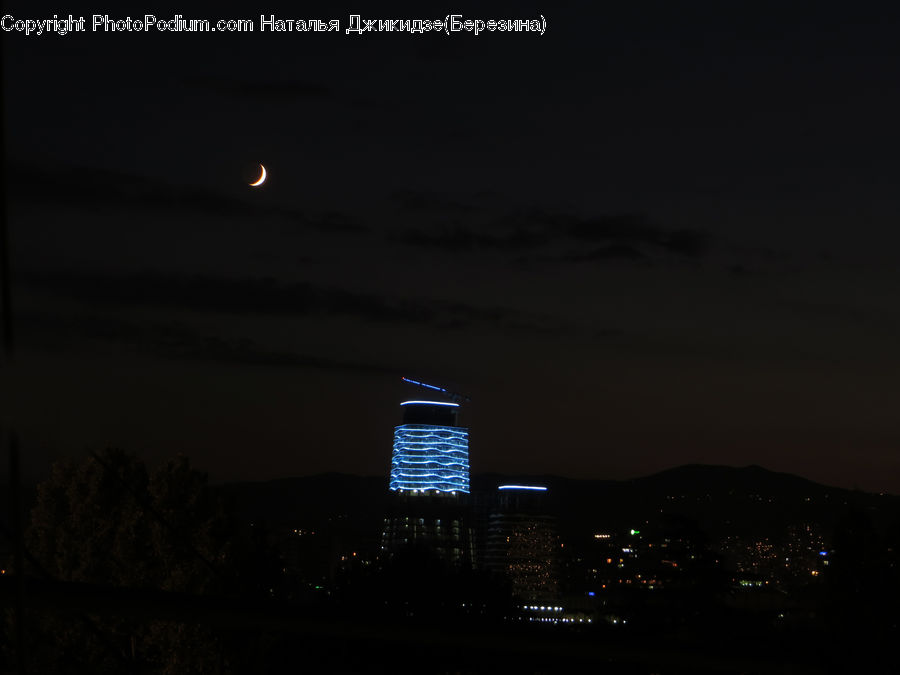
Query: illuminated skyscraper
{"points": [[430, 482], [523, 544], [431, 453]]}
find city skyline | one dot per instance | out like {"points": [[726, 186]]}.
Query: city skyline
{"points": [[649, 237]]}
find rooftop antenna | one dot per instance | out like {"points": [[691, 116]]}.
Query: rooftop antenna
{"points": [[452, 395]]}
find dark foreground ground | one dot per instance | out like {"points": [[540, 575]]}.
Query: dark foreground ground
{"points": [[271, 637]]}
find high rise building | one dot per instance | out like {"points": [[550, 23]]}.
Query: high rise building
{"points": [[431, 452], [429, 483], [522, 545]]}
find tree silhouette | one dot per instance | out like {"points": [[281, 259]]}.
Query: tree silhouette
{"points": [[107, 520]]}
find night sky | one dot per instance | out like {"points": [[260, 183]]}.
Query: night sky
{"points": [[659, 234]]}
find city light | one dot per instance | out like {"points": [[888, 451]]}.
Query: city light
{"points": [[453, 405], [422, 384], [430, 457]]}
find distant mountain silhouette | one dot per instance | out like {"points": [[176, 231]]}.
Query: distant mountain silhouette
{"points": [[720, 499], [714, 479]]}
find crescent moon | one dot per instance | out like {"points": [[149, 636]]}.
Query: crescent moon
{"points": [[261, 179]]}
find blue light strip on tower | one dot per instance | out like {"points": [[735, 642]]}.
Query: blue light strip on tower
{"points": [[521, 487], [430, 457], [454, 405], [422, 384]]}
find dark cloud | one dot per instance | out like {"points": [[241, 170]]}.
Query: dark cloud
{"points": [[625, 235], [615, 237], [461, 238], [283, 91], [96, 190], [417, 201], [267, 297], [233, 296], [610, 252], [844, 316], [739, 270], [169, 340], [689, 243]]}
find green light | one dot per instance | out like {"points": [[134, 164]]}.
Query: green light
{"points": [[635, 532]]}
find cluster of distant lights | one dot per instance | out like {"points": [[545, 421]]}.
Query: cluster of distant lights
{"points": [[552, 619], [413, 470], [412, 455], [603, 535]]}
